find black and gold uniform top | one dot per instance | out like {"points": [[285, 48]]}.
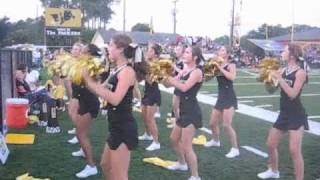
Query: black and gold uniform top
{"points": [[292, 107], [125, 106], [226, 94]]}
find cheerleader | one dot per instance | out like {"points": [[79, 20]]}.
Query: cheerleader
{"points": [[292, 117], [151, 102], [179, 50], [75, 53], [225, 105], [190, 117], [118, 92], [86, 107]]}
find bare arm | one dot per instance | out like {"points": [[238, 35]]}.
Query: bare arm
{"points": [[195, 76], [292, 92], [231, 74], [126, 78]]}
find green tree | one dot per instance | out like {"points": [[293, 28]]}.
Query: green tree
{"points": [[222, 40], [141, 27], [5, 27]]}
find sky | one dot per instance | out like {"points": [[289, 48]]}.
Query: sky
{"points": [[194, 17]]}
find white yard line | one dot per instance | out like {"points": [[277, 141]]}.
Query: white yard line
{"points": [[269, 96], [255, 151], [260, 113], [246, 101], [263, 105], [250, 73], [204, 129], [314, 117]]}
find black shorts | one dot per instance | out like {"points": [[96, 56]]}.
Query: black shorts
{"points": [[91, 107], [123, 129], [225, 104], [285, 122], [151, 100]]}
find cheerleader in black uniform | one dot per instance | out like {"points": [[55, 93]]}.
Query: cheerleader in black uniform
{"points": [[151, 102], [118, 92], [190, 117], [86, 109], [292, 117], [225, 105], [179, 50]]}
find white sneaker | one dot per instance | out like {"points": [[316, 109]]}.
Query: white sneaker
{"points": [[234, 152], [49, 130], [170, 126], [194, 178], [138, 104], [178, 166], [42, 123], [153, 146], [72, 131], [145, 136], [212, 143], [104, 112], [87, 171], [157, 115], [74, 140], [269, 174], [79, 153]]}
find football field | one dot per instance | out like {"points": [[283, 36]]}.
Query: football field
{"points": [[50, 156]]}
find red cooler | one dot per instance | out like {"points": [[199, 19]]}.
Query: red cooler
{"points": [[17, 112]]}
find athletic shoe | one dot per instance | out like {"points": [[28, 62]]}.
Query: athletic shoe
{"points": [[145, 137], [157, 115], [269, 174], [87, 171], [79, 153], [72, 131], [42, 123], [178, 166], [153, 146], [194, 178], [212, 143], [74, 140], [234, 152]]}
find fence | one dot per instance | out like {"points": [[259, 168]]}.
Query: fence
{"points": [[9, 60]]}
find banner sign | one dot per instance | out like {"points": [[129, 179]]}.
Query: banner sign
{"points": [[62, 32], [61, 17]]}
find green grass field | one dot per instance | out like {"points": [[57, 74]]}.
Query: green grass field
{"points": [[50, 156]]}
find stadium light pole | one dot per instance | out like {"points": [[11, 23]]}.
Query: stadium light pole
{"points": [[292, 26], [124, 16], [174, 14], [232, 24]]}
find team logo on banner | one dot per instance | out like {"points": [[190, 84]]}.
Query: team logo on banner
{"points": [[61, 17]]}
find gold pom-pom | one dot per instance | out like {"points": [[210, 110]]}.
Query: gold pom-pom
{"points": [[266, 66], [60, 65], [211, 67], [93, 65], [160, 70]]}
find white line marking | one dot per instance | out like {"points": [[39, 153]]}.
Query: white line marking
{"points": [[269, 96], [204, 129], [246, 101], [245, 71], [263, 105], [314, 117], [214, 95], [255, 151], [259, 113], [204, 92]]}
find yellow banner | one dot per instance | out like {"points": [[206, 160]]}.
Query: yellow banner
{"points": [[61, 17]]}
